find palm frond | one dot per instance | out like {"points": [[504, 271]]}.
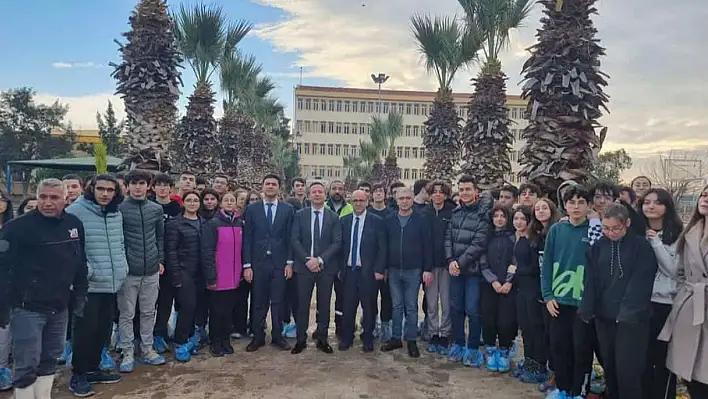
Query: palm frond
{"points": [[495, 19], [234, 34], [201, 34]]}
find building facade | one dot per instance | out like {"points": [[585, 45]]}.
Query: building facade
{"points": [[329, 122]]}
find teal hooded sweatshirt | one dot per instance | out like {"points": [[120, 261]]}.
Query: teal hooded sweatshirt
{"points": [[564, 263]]}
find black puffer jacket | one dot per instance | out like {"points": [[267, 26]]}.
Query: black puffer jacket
{"points": [[468, 233], [440, 219], [500, 254], [182, 250]]}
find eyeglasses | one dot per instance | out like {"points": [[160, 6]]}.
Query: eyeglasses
{"points": [[613, 229]]}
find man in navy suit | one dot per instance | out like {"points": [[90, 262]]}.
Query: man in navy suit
{"points": [[363, 264], [316, 241], [267, 260]]}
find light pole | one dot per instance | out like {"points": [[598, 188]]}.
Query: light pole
{"points": [[379, 79]]}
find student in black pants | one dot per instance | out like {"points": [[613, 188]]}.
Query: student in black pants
{"points": [[618, 287], [242, 311]]}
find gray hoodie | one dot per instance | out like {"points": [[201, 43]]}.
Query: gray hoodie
{"points": [[665, 286]]}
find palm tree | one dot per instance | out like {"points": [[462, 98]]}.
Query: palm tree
{"points": [[391, 130], [149, 80], [486, 138], [382, 137], [445, 47], [203, 36], [564, 86]]}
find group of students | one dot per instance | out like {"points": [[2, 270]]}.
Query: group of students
{"points": [[617, 277]]}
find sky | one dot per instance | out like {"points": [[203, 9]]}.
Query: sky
{"points": [[656, 57]]}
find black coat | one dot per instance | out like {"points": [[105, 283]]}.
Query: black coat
{"points": [[40, 259], [467, 235], [500, 254], [372, 243], [330, 240], [182, 250], [263, 242], [409, 247], [440, 220]]}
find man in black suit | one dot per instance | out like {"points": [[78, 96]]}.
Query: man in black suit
{"points": [[267, 258], [363, 264], [316, 240]]}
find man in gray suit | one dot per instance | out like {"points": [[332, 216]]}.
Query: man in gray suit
{"points": [[316, 240]]}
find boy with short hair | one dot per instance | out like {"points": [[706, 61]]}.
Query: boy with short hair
{"points": [[562, 276]]}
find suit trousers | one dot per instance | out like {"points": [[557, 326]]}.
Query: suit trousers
{"points": [[306, 282], [291, 297], [268, 292], [359, 288]]}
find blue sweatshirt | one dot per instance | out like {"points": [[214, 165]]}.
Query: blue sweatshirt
{"points": [[564, 263]]}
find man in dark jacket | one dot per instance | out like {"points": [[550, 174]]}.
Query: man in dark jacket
{"points": [[618, 287], [440, 213], [143, 228], [465, 248], [41, 256], [316, 241], [410, 255]]}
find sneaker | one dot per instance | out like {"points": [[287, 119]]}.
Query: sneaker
{"points": [[443, 346], [101, 377], [66, 356], [5, 379], [80, 387], [127, 364], [107, 362], [182, 353], [159, 344], [491, 360], [502, 360], [472, 358], [290, 331], [153, 358], [236, 335], [433, 345], [456, 353]]}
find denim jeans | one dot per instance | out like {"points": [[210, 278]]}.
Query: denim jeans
{"points": [[37, 342], [405, 285], [464, 301]]}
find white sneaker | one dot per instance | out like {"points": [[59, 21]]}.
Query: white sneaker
{"points": [[25, 393], [43, 387]]}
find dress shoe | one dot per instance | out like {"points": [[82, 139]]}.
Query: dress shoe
{"points": [[226, 346], [324, 346], [254, 345], [343, 346], [368, 347], [392, 344], [281, 343], [216, 349], [298, 348], [413, 349]]}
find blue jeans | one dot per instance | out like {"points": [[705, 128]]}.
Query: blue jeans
{"points": [[37, 342], [464, 301], [405, 285]]}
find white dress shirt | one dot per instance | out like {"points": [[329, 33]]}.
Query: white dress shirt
{"points": [[362, 218]]}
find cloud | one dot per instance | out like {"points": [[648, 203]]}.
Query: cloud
{"points": [[82, 110], [657, 84], [67, 65]]}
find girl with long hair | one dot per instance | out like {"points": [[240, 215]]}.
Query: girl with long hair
{"points": [[210, 203], [686, 329], [183, 268], [27, 205], [664, 226], [222, 241]]}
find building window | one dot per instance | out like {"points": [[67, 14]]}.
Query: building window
{"points": [[393, 107], [355, 106], [415, 152], [355, 128], [407, 152], [368, 129], [315, 105], [406, 174], [323, 105], [308, 105], [347, 106], [339, 127], [362, 129], [383, 153], [400, 108], [329, 172], [370, 107], [331, 127], [408, 108], [330, 149], [353, 151], [323, 127], [378, 107], [414, 174], [313, 172], [399, 152], [298, 126], [424, 109], [299, 148], [385, 110], [322, 149], [408, 130], [416, 131], [512, 156], [522, 113], [322, 171], [307, 127], [331, 105], [337, 172], [416, 109], [338, 150], [346, 128], [339, 105], [299, 103], [346, 149], [422, 152]]}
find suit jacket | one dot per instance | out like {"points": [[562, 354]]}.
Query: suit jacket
{"points": [[330, 240], [372, 243], [261, 240]]}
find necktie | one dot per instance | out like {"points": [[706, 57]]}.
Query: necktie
{"points": [[355, 243], [269, 214], [316, 235]]}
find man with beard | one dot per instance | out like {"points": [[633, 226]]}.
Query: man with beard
{"points": [[339, 205]]}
